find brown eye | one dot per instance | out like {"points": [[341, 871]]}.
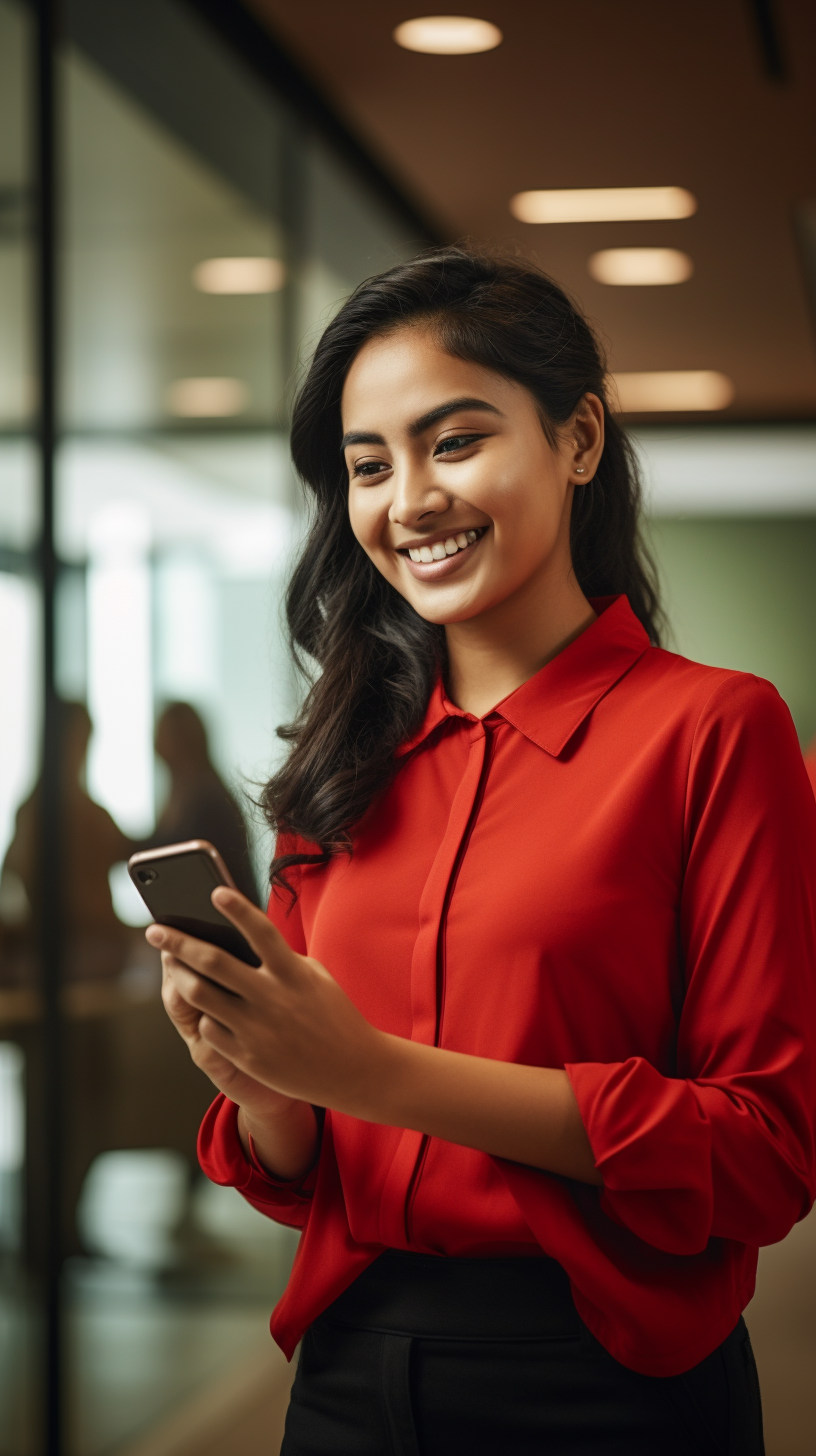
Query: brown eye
{"points": [[455, 442], [364, 469]]}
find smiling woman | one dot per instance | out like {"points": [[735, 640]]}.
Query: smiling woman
{"points": [[521, 1057], [499, 340]]}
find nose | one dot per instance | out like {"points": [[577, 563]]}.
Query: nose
{"points": [[416, 495]]}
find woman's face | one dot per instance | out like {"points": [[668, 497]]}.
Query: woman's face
{"points": [[455, 493]]}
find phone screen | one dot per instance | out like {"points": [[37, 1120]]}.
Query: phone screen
{"points": [[176, 883]]}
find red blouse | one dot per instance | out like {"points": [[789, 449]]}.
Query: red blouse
{"points": [[612, 872]]}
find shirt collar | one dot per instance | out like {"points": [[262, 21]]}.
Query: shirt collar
{"points": [[552, 704]]}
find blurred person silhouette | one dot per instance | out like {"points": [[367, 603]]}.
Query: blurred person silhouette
{"points": [[96, 942], [199, 805], [109, 1038]]}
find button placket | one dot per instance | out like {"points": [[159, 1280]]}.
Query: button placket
{"points": [[406, 1162]]}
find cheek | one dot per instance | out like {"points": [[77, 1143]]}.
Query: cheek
{"points": [[526, 516], [362, 520], [368, 519]]}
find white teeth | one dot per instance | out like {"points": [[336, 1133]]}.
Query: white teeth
{"points": [[441, 549]]}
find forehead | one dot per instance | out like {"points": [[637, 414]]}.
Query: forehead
{"points": [[399, 376]]}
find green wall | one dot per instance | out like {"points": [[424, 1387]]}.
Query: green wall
{"points": [[742, 593]]}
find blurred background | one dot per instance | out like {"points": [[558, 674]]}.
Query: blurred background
{"points": [[187, 192]]}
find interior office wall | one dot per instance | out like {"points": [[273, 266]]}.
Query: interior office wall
{"points": [[740, 592]]}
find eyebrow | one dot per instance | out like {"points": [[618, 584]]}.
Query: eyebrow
{"points": [[423, 422]]}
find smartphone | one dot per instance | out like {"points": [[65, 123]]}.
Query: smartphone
{"points": [[176, 882]]}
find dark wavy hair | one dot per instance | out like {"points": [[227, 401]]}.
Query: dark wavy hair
{"points": [[377, 658]]}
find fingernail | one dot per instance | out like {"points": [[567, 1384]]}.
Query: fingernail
{"points": [[155, 935]]}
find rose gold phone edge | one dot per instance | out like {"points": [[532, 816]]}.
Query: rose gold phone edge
{"points": [[184, 846]]}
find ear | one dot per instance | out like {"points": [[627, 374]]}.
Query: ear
{"points": [[587, 439]]}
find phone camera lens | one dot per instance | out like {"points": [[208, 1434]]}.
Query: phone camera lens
{"points": [[146, 877]]}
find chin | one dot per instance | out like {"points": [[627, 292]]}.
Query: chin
{"points": [[445, 614]]}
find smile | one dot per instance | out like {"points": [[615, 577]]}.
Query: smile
{"points": [[442, 557], [450, 546]]}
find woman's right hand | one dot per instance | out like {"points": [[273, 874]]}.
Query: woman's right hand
{"points": [[279, 1130], [254, 1097]]}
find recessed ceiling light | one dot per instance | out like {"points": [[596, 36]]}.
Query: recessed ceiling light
{"points": [[603, 204], [207, 398], [239, 275], [448, 35], [673, 389], [640, 267]]}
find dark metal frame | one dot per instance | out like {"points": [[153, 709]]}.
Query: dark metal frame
{"points": [[49, 1262]]}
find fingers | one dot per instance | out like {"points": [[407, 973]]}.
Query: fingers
{"points": [[217, 965], [217, 1036], [183, 1016], [207, 1040], [202, 995], [256, 927]]}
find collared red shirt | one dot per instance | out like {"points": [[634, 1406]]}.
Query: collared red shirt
{"points": [[612, 872]]}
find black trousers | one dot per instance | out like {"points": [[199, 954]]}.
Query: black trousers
{"points": [[427, 1356]]}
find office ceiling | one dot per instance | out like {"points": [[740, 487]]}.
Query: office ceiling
{"points": [[600, 95]]}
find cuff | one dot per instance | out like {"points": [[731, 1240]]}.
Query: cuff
{"points": [[652, 1146], [222, 1157]]}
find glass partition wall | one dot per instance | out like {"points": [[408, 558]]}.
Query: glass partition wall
{"points": [[205, 231]]}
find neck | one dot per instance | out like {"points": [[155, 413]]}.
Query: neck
{"points": [[491, 655]]}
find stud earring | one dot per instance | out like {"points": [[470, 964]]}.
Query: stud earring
{"points": [[580, 470]]}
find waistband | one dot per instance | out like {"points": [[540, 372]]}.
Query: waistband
{"points": [[432, 1297]]}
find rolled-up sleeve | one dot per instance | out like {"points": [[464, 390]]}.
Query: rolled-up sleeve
{"points": [[222, 1158], [724, 1146]]}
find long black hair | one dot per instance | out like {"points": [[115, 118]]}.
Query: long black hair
{"points": [[377, 658]]}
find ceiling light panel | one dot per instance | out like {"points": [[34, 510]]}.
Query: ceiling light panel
{"points": [[239, 275], [448, 35], [673, 389], [603, 204], [640, 267], [207, 398]]}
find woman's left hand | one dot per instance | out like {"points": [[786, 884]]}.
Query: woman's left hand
{"points": [[285, 1023]]}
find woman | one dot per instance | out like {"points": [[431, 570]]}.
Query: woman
{"points": [[541, 933]]}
